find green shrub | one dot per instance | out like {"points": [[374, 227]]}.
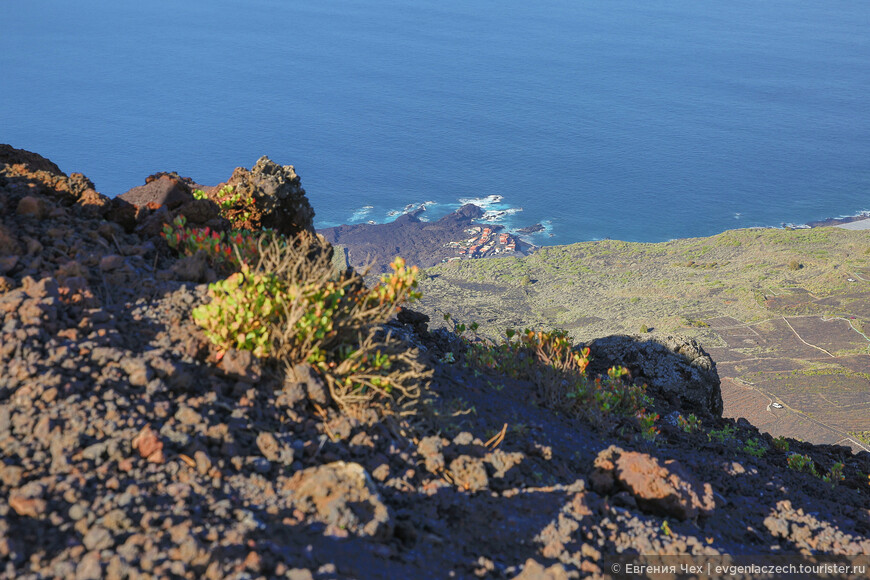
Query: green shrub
{"points": [[243, 309], [290, 307], [834, 476], [780, 444], [802, 463], [558, 371], [754, 447], [648, 430], [794, 265], [722, 435], [688, 424]]}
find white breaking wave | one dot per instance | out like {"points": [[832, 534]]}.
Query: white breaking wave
{"points": [[361, 214], [409, 208], [497, 215], [482, 202], [547, 232]]}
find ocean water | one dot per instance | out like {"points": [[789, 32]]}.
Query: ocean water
{"points": [[628, 119]]}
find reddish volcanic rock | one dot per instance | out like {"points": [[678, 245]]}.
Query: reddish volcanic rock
{"points": [[162, 190], [666, 490], [343, 496], [148, 444]]}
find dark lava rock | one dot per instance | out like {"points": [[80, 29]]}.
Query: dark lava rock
{"points": [[675, 368], [531, 229], [281, 203], [305, 375], [420, 243]]}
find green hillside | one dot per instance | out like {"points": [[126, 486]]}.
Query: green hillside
{"points": [[782, 312]]}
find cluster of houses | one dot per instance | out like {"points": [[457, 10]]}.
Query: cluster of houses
{"points": [[483, 242]]}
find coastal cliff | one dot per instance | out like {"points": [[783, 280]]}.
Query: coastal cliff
{"points": [[135, 445]]}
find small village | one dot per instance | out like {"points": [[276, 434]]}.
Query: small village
{"points": [[482, 243]]}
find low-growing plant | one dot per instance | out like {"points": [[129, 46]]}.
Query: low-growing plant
{"points": [[226, 251], [722, 435], [755, 448], [802, 463], [834, 476], [227, 197], [805, 464], [199, 194], [290, 307], [558, 371], [781, 444], [648, 429], [689, 424]]}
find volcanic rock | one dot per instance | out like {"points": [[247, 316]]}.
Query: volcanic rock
{"points": [[343, 496], [665, 489], [674, 367], [280, 201], [162, 190]]}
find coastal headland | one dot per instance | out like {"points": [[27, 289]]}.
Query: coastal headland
{"points": [[457, 236]]}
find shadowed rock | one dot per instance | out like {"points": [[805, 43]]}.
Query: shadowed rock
{"points": [[161, 189], [675, 368], [280, 202]]}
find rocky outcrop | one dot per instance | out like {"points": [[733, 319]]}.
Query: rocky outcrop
{"points": [[280, 201], [421, 243], [166, 196], [160, 189], [674, 368], [23, 171]]}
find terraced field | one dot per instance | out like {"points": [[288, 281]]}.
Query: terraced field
{"points": [[783, 312]]}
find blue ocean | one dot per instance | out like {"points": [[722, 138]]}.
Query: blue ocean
{"points": [[629, 119]]}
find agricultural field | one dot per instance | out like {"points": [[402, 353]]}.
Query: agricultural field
{"points": [[782, 312]]}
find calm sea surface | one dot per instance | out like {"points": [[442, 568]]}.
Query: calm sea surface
{"points": [[627, 119]]}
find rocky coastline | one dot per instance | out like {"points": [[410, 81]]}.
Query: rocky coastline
{"points": [[456, 236], [133, 448]]}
